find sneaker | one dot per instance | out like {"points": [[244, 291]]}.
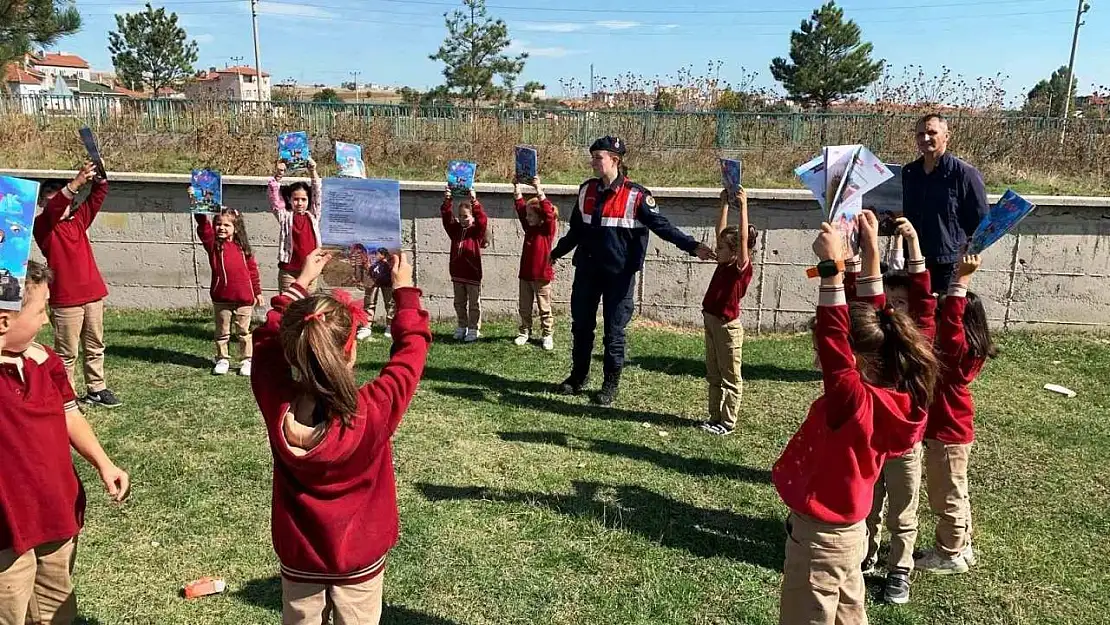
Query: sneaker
{"points": [[472, 335], [570, 386], [245, 368], [222, 367], [548, 343], [610, 388], [934, 562], [522, 339], [460, 334], [708, 426], [968, 554], [364, 333], [388, 334], [103, 398], [897, 588], [720, 430]]}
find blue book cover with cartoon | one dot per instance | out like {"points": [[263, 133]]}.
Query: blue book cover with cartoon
{"points": [[349, 158], [18, 199], [526, 161], [207, 190], [1002, 218], [730, 178], [460, 177], [293, 149]]}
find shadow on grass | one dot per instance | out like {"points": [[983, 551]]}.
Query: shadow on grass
{"points": [[86, 620], [159, 356], [673, 524], [696, 368], [184, 328], [266, 593], [673, 462]]}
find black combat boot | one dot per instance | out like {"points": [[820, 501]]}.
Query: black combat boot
{"points": [[572, 385], [609, 389]]}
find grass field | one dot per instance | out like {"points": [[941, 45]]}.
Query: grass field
{"points": [[521, 506]]}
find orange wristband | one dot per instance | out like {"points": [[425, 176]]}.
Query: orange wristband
{"points": [[812, 271]]}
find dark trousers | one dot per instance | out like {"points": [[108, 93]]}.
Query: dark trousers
{"points": [[614, 293], [940, 275]]}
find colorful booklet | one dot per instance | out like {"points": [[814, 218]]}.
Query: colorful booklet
{"points": [[293, 149], [94, 151], [526, 159], [731, 171], [18, 199], [839, 178], [349, 158], [460, 177], [358, 218], [207, 191], [1002, 218]]}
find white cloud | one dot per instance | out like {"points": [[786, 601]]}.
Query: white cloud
{"points": [[616, 24], [557, 27], [517, 46], [293, 10], [668, 26], [204, 38]]}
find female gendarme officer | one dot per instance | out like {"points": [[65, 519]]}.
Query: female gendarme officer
{"points": [[609, 227]]}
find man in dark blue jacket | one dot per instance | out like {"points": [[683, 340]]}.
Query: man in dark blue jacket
{"points": [[943, 197], [609, 228]]}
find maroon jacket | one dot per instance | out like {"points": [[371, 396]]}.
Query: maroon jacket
{"points": [[466, 243], [234, 274], [65, 244], [535, 257]]}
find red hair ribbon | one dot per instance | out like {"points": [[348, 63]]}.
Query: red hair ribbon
{"points": [[359, 317], [314, 316]]}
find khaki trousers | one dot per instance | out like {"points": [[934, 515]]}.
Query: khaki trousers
{"points": [[724, 347], [312, 604], [286, 280], [36, 587], [822, 583], [370, 302], [77, 328], [468, 305], [540, 293], [946, 476], [898, 485], [228, 315]]}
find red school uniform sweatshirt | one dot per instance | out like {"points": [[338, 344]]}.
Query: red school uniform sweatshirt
{"points": [[234, 274], [952, 415], [829, 468], [41, 498], [65, 244], [727, 287], [334, 515], [304, 243], [535, 256], [466, 243]]}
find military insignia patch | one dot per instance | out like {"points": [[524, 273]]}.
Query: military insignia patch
{"points": [[650, 203]]}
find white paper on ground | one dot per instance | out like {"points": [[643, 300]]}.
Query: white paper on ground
{"points": [[1056, 388]]}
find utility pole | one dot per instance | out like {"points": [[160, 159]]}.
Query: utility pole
{"points": [[591, 96], [355, 74], [257, 54], [1083, 8], [235, 60]]}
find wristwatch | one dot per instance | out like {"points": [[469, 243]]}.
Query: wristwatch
{"points": [[825, 269]]}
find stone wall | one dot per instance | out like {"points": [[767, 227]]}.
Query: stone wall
{"points": [[1054, 272]]}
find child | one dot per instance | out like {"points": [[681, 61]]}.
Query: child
{"points": [[78, 293], [297, 208], [540, 221], [879, 374], [899, 483], [724, 333], [963, 345], [334, 515], [468, 236], [42, 502], [378, 280], [236, 288]]}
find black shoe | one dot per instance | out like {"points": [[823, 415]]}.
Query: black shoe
{"points": [[103, 398], [571, 386], [609, 390], [897, 588]]}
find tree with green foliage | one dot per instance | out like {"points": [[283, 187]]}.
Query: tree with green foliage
{"points": [[149, 49], [29, 24], [473, 54], [665, 101], [827, 60], [1047, 97], [326, 95]]}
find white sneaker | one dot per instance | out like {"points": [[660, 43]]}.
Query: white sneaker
{"points": [[472, 335], [522, 339], [245, 368], [364, 333], [460, 334], [968, 554], [933, 562], [388, 334], [549, 343], [222, 367]]}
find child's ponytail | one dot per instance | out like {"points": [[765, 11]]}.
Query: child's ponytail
{"points": [[895, 353], [316, 335], [977, 330]]}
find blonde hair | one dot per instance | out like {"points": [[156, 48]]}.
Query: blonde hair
{"points": [[315, 334]]}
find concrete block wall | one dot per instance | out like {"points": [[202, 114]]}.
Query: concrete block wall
{"points": [[1053, 273]]}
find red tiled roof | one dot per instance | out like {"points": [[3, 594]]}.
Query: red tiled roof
{"points": [[129, 93], [15, 73], [241, 69], [166, 91], [61, 60]]}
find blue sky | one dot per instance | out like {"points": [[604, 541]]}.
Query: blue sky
{"points": [[388, 41]]}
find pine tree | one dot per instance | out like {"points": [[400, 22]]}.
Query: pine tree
{"points": [[27, 24], [474, 54], [827, 60], [1047, 97], [150, 49]]}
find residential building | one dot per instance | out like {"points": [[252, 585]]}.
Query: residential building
{"points": [[64, 64], [230, 83]]}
